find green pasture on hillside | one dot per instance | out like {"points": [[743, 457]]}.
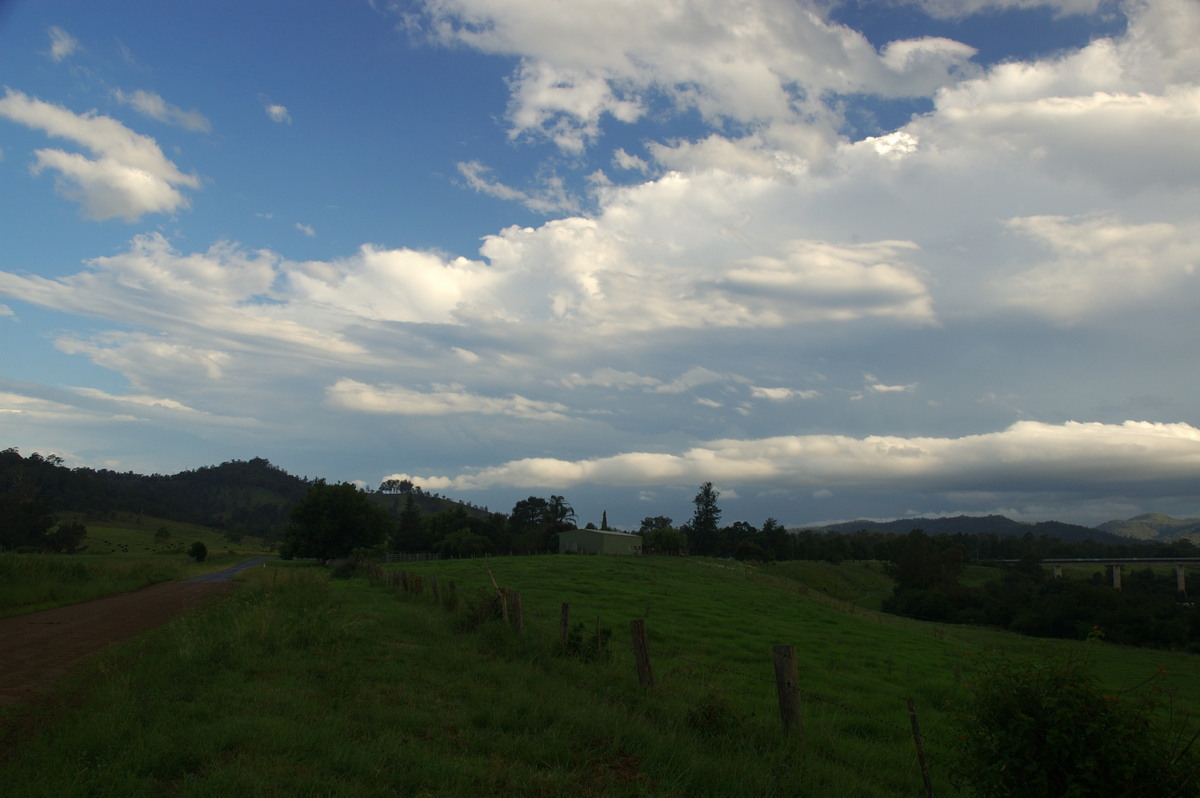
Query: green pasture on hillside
{"points": [[299, 684], [128, 533], [118, 555]]}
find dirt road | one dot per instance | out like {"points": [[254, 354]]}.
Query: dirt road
{"points": [[38, 648]]}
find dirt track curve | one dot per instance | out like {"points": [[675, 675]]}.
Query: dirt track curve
{"points": [[40, 647]]}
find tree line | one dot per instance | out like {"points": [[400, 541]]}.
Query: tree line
{"points": [[1148, 610]]}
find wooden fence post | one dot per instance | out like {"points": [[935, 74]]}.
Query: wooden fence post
{"points": [[916, 730], [451, 596], [641, 654], [518, 613], [436, 589], [502, 597], [563, 625], [787, 685]]}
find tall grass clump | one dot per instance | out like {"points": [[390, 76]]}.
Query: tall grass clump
{"points": [[278, 610], [31, 582]]}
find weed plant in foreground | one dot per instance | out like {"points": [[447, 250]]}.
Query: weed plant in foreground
{"points": [[1046, 729], [299, 684]]}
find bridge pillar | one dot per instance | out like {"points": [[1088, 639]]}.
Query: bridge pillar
{"points": [[1180, 580], [1116, 576], [1057, 571]]}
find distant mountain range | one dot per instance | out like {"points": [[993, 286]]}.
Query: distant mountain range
{"points": [[1149, 527], [1155, 526]]}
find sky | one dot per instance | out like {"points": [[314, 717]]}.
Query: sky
{"points": [[842, 258]]}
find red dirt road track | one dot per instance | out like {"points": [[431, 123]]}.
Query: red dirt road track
{"points": [[38, 648]]}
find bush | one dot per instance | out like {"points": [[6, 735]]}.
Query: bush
{"points": [[198, 551], [67, 537], [1048, 730], [479, 607], [342, 569], [588, 644]]}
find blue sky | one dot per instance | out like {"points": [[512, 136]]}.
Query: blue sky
{"points": [[843, 259]]}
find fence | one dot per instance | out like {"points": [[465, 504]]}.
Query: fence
{"points": [[405, 556], [507, 606]]}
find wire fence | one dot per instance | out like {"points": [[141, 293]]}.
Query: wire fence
{"points": [[934, 749]]}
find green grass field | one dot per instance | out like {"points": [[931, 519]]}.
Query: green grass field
{"points": [[135, 535], [302, 685], [117, 555]]}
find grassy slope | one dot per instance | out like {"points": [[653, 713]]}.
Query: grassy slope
{"points": [[301, 686], [115, 557], [135, 534]]}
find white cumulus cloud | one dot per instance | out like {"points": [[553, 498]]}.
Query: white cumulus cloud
{"points": [[758, 62], [278, 113], [129, 175]]}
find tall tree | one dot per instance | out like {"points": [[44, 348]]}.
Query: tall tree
{"points": [[410, 531], [560, 511], [703, 531], [25, 519], [533, 512], [333, 520], [776, 539]]}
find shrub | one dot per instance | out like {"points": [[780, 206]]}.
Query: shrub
{"points": [[198, 551], [479, 607], [588, 644], [67, 537], [714, 715], [1043, 729], [342, 569]]}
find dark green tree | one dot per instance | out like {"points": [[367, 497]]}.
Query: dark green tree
{"points": [[561, 512], [919, 564], [25, 519], [535, 523], [464, 543], [533, 512], [67, 537], [650, 523], [663, 540], [333, 520], [776, 540], [198, 551], [703, 532], [410, 531]]}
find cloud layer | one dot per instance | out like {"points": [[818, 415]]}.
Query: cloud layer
{"points": [[709, 272]]}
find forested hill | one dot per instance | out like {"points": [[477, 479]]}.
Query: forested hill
{"points": [[251, 497], [982, 525], [1154, 526]]}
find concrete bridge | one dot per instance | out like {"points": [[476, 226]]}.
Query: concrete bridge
{"points": [[1180, 564]]}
